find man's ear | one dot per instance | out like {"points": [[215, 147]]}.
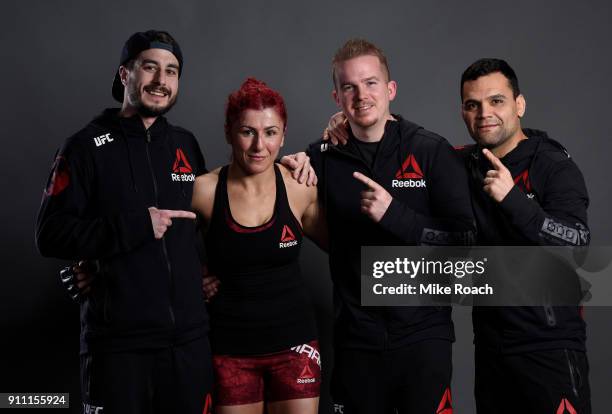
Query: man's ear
{"points": [[123, 74], [521, 105], [392, 89], [335, 97]]}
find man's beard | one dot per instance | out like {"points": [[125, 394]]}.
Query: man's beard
{"points": [[147, 111]]}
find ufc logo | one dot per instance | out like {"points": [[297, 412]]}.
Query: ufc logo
{"points": [[103, 139]]}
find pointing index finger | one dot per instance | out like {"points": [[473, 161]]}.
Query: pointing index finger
{"points": [[181, 214], [495, 162], [366, 180]]}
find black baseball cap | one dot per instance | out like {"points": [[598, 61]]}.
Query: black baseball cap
{"points": [[139, 42]]}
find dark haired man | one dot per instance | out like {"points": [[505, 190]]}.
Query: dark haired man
{"points": [[394, 183], [526, 190], [115, 189]]}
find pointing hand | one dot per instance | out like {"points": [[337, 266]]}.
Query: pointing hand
{"points": [[162, 219], [375, 199], [498, 182]]}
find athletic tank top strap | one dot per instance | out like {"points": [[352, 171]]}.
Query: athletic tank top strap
{"points": [[282, 201], [282, 210]]}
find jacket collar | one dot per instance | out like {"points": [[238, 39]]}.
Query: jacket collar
{"points": [[391, 138], [132, 126]]}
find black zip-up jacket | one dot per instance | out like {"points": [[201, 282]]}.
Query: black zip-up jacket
{"points": [[95, 206], [547, 206], [430, 205]]}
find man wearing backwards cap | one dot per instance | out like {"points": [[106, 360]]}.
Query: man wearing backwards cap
{"points": [[119, 191]]}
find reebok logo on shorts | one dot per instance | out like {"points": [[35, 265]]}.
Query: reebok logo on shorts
{"points": [[306, 377], [287, 238], [409, 175], [181, 169]]}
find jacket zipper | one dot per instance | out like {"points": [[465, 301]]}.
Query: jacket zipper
{"points": [[571, 372], [163, 240]]}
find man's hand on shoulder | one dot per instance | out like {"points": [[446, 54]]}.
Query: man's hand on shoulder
{"points": [[337, 129], [301, 170]]}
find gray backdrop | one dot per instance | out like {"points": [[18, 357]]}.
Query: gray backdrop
{"points": [[60, 58]]}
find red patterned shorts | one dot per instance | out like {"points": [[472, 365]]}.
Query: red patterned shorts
{"points": [[294, 373]]}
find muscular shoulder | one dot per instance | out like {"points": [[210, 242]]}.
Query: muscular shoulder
{"points": [[204, 190]]}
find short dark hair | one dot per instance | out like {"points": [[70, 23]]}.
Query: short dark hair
{"points": [[359, 47], [486, 66], [155, 36]]}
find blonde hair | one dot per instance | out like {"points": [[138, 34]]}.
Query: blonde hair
{"points": [[359, 47]]}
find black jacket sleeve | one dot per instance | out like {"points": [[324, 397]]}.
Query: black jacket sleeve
{"points": [[451, 221], [66, 227], [561, 216]]}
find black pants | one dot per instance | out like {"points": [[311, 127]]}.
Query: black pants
{"points": [[414, 379], [169, 380], [551, 381]]}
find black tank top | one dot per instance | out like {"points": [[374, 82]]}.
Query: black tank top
{"points": [[262, 305]]}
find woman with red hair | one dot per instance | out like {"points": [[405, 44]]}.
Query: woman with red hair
{"points": [[263, 335]]}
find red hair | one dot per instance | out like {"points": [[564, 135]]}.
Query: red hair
{"points": [[253, 94]]}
